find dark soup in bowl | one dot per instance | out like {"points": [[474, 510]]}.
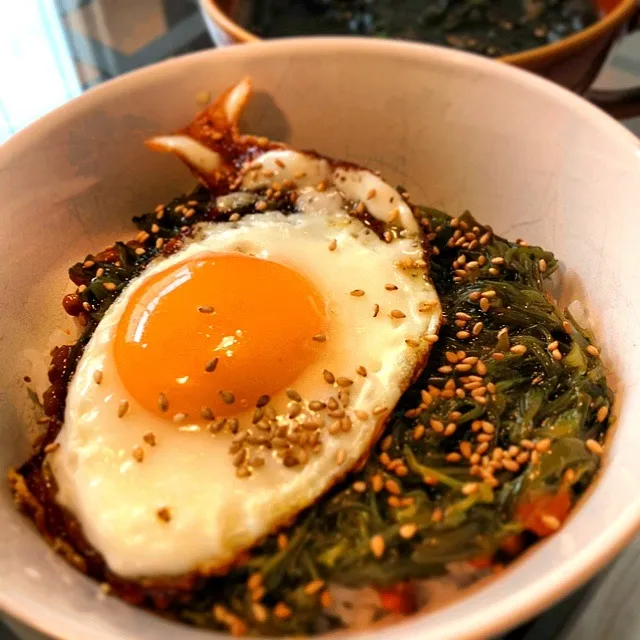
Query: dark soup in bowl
{"points": [[490, 27]]}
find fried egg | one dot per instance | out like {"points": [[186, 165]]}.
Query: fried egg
{"points": [[233, 383]]}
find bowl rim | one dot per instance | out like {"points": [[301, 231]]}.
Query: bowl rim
{"points": [[580, 40], [536, 596], [528, 58]]}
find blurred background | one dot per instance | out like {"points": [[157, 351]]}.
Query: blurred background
{"points": [[53, 50]]}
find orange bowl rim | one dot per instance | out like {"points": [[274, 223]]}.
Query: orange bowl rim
{"points": [[529, 57]]}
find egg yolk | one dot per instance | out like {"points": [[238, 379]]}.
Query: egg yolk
{"points": [[219, 332]]}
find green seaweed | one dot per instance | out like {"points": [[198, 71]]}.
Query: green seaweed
{"points": [[535, 396]]}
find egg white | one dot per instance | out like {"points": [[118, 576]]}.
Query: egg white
{"points": [[214, 514]]}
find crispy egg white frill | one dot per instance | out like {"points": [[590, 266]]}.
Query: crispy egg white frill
{"points": [[241, 377]]}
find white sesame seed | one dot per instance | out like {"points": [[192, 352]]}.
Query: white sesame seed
{"points": [[551, 521], [227, 397], [469, 488], [594, 446], [239, 458], [481, 368], [377, 546], [210, 367], [436, 425], [543, 445], [602, 414], [259, 612], [511, 465], [392, 487], [326, 599], [123, 407], [163, 403], [314, 587], [292, 394], [281, 610], [164, 514], [407, 531], [377, 483]]}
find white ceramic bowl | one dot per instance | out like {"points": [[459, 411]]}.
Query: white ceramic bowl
{"points": [[459, 132]]}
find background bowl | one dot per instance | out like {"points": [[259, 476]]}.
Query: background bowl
{"points": [[573, 62], [459, 132]]}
